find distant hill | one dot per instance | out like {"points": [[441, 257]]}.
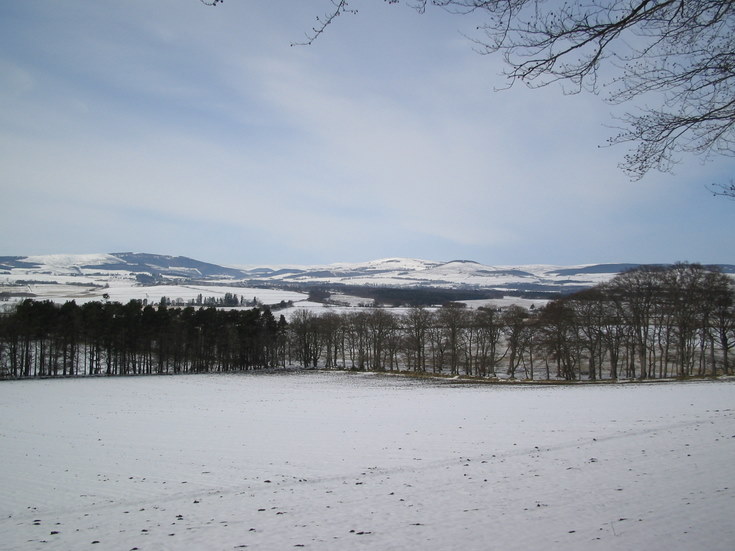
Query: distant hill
{"points": [[158, 264], [134, 263], [464, 278]]}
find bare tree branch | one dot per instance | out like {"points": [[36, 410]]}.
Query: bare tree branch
{"points": [[677, 54], [723, 190], [340, 7]]}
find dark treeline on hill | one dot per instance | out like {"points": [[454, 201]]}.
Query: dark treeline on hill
{"points": [[406, 296], [647, 323], [41, 339], [418, 296]]}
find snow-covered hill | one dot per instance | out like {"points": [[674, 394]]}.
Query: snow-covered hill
{"points": [[410, 272], [454, 274], [122, 276]]}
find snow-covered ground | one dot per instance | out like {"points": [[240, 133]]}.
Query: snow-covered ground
{"points": [[527, 303], [125, 291], [335, 461], [190, 292]]}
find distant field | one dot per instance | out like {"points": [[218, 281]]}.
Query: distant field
{"points": [[126, 292]]}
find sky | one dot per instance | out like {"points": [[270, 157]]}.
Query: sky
{"points": [[174, 128]]}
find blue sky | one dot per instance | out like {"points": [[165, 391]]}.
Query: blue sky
{"points": [[173, 128]]}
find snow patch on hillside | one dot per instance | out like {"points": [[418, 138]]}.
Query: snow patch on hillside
{"points": [[68, 262]]}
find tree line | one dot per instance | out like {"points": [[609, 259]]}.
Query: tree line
{"points": [[648, 323], [651, 322], [42, 339]]}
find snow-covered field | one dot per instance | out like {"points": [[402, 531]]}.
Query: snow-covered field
{"points": [[190, 292], [335, 461], [126, 291]]}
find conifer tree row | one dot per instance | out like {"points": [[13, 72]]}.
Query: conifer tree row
{"points": [[41, 339]]}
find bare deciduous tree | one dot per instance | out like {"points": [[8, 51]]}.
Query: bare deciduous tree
{"points": [[515, 324], [417, 322]]}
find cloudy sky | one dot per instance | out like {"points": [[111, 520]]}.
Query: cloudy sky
{"points": [[168, 127]]}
